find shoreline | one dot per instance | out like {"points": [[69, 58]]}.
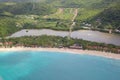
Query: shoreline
{"points": [[67, 50]]}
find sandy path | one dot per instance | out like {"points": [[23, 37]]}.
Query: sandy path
{"points": [[75, 14], [60, 10]]}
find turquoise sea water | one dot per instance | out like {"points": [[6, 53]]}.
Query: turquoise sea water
{"points": [[37, 65]]}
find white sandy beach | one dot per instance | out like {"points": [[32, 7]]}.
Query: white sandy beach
{"points": [[74, 51]]}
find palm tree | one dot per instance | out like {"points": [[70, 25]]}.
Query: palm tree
{"points": [[3, 40], [2, 34]]}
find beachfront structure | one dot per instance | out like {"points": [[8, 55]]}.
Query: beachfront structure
{"points": [[8, 44], [76, 46]]}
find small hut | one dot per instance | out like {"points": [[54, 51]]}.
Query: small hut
{"points": [[76, 46]]}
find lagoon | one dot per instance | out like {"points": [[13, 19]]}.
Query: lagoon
{"points": [[80, 34]]}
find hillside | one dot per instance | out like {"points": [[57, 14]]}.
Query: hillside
{"points": [[21, 0], [25, 8], [109, 16], [58, 14]]}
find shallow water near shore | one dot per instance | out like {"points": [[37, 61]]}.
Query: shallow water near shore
{"points": [[44, 65]]}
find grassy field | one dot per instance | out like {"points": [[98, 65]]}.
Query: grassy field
{"points": [[62, 13], [60, 20], [84, 14]]}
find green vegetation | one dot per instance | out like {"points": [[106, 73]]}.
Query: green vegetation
{"points": [[100, 15], [7, 26], [52, 41], [86, 15], [58, 14], [109, 16], [63, 14], [26, 9], [16, 16]]}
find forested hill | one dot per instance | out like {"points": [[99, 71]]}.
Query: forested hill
{"points": [[20, 0], [25, 8], [57, 14], [72, 3], [109, 16]]}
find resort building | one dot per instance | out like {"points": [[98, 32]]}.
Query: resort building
{"points": [[76, 46]]}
